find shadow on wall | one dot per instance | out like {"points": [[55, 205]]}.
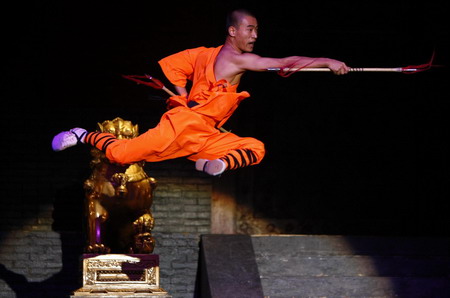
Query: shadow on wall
{"points": [[67, 222]]}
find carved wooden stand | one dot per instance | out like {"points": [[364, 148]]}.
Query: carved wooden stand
{"points": [[120, 275]]}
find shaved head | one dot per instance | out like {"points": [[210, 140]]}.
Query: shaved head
{"points": [[234, 18]]}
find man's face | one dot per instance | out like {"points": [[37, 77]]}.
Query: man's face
{"points": [[246, 33]]}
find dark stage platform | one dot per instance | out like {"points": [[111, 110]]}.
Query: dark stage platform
{"points": [[323, 266]]}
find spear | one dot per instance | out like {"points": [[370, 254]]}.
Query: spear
{"points": [[286, 71], [354, 69]]}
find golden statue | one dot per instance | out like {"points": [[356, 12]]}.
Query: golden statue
{"points": [[118, 200]]}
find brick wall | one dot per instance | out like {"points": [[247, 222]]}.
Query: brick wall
{"points": [[41, 234], [182, 204], [182, 211]]}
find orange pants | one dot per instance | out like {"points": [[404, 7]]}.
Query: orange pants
{"points": [[181, 133]]}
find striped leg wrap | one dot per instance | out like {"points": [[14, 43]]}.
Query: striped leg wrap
{"points": [[100, 140], [239, 158]]}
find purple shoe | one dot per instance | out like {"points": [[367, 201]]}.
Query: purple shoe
{"points": [[67, 139], [212, 167]]}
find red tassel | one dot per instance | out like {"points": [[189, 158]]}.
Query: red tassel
{"points": [[420, 67], [286, 74], [155, 83]]}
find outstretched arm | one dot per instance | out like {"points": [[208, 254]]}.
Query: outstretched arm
{"points": [[249, 61]]}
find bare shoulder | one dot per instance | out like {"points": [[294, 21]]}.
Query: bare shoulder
{"points": [[228, 66], [240, 60]]}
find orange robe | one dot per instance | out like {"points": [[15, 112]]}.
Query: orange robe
{"points": [[191, 132]]}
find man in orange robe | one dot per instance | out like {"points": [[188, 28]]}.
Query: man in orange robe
{"points": [[190, 128]]}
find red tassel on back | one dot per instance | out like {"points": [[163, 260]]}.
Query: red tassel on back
{"points": [[155, 83]]}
